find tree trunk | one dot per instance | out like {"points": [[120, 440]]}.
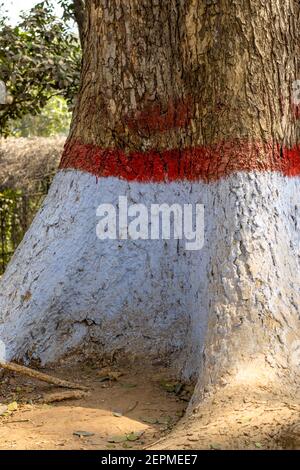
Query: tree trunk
{"points": [[180, 101]]}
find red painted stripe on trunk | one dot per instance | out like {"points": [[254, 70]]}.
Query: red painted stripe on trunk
{"points": [[192, 164]]}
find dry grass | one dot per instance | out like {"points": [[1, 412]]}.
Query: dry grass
{"points": [[24, 161]]}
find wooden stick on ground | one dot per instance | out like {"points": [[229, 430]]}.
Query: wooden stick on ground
{"points": [[40, 376], [65, 395]]}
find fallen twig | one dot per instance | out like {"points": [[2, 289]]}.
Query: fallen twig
{"points": [[19, 421], [133, 407], [61, 396], [11, 366]]}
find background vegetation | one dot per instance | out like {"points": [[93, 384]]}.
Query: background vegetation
{"points": [[40, 59], [39, 62]]}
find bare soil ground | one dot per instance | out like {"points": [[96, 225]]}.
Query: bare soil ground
{"points": [[133, 407], [136, 407], [240, 418]]}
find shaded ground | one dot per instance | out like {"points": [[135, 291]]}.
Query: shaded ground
{"points": [[135, 406], [138, 407]]}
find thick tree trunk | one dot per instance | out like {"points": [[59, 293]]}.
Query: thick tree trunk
{"points": [[180, 101]]}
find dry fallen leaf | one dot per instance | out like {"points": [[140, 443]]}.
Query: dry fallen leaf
{"points": [[149, 420], [127, 385], [117, 439], [164, 420], [215, 447], [12, 406], [126, 445], [107, 374], [133, 436], [115, 375], [3, 410], [83, 433]]}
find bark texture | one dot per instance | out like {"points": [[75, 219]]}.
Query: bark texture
{"points": [[194, 73], [211, 70], [181, 74]]}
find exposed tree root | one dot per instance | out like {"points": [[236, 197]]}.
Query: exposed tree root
{"points": [[249, 412]]}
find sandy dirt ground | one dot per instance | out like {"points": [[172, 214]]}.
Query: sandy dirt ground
{"points": [[138, 407], [125, 409], [240, 418]]}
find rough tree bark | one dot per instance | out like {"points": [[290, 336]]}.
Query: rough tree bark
{"points": [[180, 101]]}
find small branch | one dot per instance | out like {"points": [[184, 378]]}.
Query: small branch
{"points": [[79, 14], [133, 407], [65, 395], [40, 376]]}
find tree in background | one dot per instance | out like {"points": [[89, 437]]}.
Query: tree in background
{"points": [[74, 10], [53, 119], [39, 59]]}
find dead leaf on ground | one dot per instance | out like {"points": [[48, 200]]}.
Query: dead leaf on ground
{"points": [[215, 447], [134, 436], [127, 385], [131, 437], [3, 410], [12, 406], [149, 420], [133, 407], [165, 420], [172, 387], [117, 439], [103, 379], [126, 445], [108, 374], [168, 386], [83, 433]]}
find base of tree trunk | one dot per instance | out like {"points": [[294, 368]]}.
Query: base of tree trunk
{"points": [[256, 409], [206, 311]]}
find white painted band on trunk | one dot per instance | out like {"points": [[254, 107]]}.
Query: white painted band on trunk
{"points": [[64, 286]]}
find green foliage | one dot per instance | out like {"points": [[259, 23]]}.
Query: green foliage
{"points": [[69, 8], [54, 119], [16, 213], [39, 58], [10, 225]]}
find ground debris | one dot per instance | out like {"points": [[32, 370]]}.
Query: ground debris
{"points": [[65, 395]]}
